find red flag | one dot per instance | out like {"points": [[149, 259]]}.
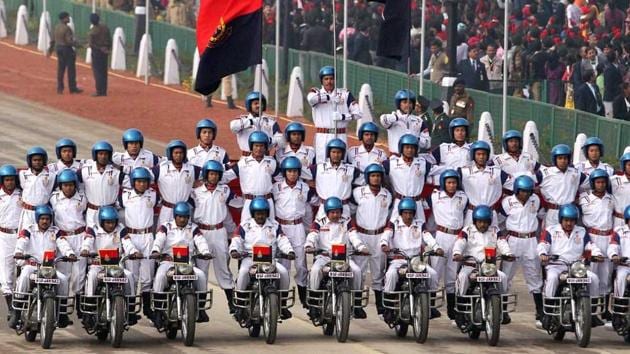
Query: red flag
{"points": [[229, 38], [261, 253], [109, 256], [338, 252], [180, 254], [49, 258]]}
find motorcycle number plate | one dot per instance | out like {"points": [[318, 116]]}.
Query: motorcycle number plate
{"points": [[46, 281], [488, 279], [267, 275], [179, 277], [578, 280], [341, 274], [417, 275], [115, 280]]}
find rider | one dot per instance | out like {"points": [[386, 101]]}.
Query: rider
{"points": [[403, 121], [620, 247]]}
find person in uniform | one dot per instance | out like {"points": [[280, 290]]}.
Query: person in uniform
{"points": [[360, 156], [620, 247], [99, 40], [403, 121], [135, 155], [620, 189], [37, 184], [593, 150], [63, 44], [10, 210], [422, 111], [441, 121], [456, 154], [66, 151], [514, 161], [101, 181], [245, 125], [462, 105], [206, 150]]}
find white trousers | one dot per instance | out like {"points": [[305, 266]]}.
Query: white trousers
{"points": [[444, 266], [218, 243], [243, 275], [7, 262], [160, 282], [377, 260], [463, 281], [391, 276], [620, 280], [551, 283], [75, 271], [602, 269], [142, 269], [316, 275], [525, 251], [297, 237], [23, 283]]}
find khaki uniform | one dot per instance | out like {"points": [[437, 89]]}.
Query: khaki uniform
{"points": [[62, 44], [494, 70], [439, 67], [100, 42], [462, 106]]}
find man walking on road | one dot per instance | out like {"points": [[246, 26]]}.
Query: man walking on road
{"points": [[63, 43], [99, 40]]}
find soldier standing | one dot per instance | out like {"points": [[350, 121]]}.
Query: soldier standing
{"points": [[100, 42], [462, 105], [63, 43]]}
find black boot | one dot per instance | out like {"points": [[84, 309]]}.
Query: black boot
{"points": [[229, 294], [202, 316], [64, 321], [209, 101], [132, 318], [506, 316], [146, 305], [596, 322], [285, 314], [538, 301], [13, 315], [359, 313], [435, 313], [378, 298], [77, 306], [450, 306], [230, 103], [606, 315], [302, 296]]}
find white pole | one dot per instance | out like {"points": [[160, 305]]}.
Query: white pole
{"points": [[334, 26], [277, 90], [505, 67], [93, 6], [43, 5], [422, 39], [345, 43], [146, 42]]}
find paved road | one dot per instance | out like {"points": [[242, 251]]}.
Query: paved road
{"points": [[25, 124]]}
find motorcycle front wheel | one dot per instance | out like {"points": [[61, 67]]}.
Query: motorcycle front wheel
{"points": [[48, 323], [493, 320], [421, 318], [270, 317], [583, 321], [342, 316], [117, 326], [188, 319]]}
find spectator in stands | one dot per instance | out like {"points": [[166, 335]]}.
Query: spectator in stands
{"points": [[361, 46], [612, 82], [438, 64], [537, 61], [554, 70], [473, 71], [621, 104], [494, 67], [316, 37], [588, 98]]}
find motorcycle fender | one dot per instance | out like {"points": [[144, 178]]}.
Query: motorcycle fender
{"points": [[270, 289], [583, 293], [186, 291], [342, 287], [491, 291], [49, 294], [420, 289]]}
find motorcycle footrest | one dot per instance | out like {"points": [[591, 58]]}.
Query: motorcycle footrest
{"points": [[134, 303], [204, 304], [509, 302], [287, 298]]}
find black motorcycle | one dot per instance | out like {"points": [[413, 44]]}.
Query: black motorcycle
{"points": [[40, 308], [334, 302], [572, 307], [177, 308], [107, 312], [260, 304], [481, 307], [620, 307], [412, 301]]}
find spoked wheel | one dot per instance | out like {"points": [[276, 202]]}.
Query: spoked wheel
{"points": [[48, 323], [583, 321], [493, 320], [188, 319], [117, 326], [421, 319], [342, 316], [270, 317]]}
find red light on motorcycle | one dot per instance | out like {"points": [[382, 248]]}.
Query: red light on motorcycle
{"points": [[109, 256], [338, 252], [491, 254], [261, 253], [180, 254], [49, 258]]}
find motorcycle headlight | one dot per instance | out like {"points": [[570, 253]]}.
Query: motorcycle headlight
{"points": [[488, 269], [268, 268], [342, 267], [47, 272], [185, 269], [417, 265], [578, 270], [115, 272]]}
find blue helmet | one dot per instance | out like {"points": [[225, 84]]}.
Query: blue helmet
{"points": [[212, 165], [257, 137], [593, 141], [65, 142], [107, 213], [102, 146], [332, 203], [457, 122], [479, 145], [407, 139], [598, 173], [482, 212], [626, 213], [294, 127], [403, 95], [140, 173], [175, 144], [559, 150], [181, 209], [36, 150], [336, 144], [568, 211], [291, 163], [326, 71], [67, 176], [259, 204], [368, 127], [523, 183], [512, 134], [205, 123], [43, 210], [373, 168], [132, 135], [623, 160], [407, 204], [254, 96], [7, 171], [450, 173]]}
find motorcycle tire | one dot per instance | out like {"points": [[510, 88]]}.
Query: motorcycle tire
{"points": [[342, 316], [270, 317], [493, 320], [117, 326], [48, 323], [583, 322], [189, 317], [421, 319]]}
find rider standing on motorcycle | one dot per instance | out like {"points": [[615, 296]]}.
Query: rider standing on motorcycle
{"points": [[325, 232], [569, 241], [371, 222], [260, 230], [174, 177], [407, 235], [10, 210], [361, 156], [108, 234], [34, 240], [403, 121], [472, 241], [620, 189], [514, 161], [521, 211], [620, 247], [179, 232]]}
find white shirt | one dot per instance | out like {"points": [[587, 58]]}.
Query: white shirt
{"points": [[211, 204], [325, 233], [245, 125], [36, 189], [145, 159], [555, 241], [597, 212], [56, 167], [521, 218], [559, 187], [620, 186], [449, 211], [620, 242], [306, 155], [100, 188], [10, 208], [138, 208], [97, 238], [483, 186], [255, 177], [359, 157], [69, 212], [409, 239], [291, 202], [407, 180], [325, 103], [198, 156], [333, 181], [372, 209], [174, 185], [34, 242], [169, 235], [524, 164], [472, 242], [250, 233], [398, 124], [450, 155]]}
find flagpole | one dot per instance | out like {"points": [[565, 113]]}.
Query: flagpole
{"points": [[277, 91], [422, 47], [409, 49], [260, 72], [345, 43], [93, 6], [146, 42], [505, 67], [334, 25]]}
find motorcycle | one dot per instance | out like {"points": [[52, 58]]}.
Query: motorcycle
{"points": [[620, 307], [41, 307], [572, 307], [334, 302], [259, 305], [482, 307], [179, 306], [106, 313], [412, 301]]}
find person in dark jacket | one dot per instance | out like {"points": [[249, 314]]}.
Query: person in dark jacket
{"points": [[473, 71], [612, 82], [621, 104], [316, 37], [588, 97], [361, 49]]}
